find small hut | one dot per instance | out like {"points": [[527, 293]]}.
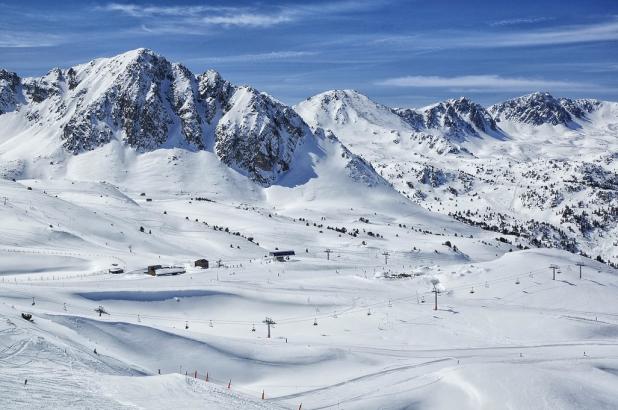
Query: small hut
{"points": [[201, 263], [159, 270], [281, 256]]}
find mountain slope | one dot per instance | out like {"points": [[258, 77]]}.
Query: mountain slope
{"points": [[536, 166], [146, 103]]}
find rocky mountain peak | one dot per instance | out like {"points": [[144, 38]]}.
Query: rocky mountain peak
{"points": [[213, 92], [460, 117], [147, 102], [258, 135], [455, 118], [541, 108]]}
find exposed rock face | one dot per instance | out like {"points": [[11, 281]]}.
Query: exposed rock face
{"points": [[459, 118], [185, 104], [258, 134], [137, 103], [9, 90], [214, 92], [542, 108], [412, 117], [147, 102]]}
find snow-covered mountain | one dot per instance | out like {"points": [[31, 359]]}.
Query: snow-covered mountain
{"points": [[540, 167], [142, 102], [458, 118], [542, 108], [111, 167]]}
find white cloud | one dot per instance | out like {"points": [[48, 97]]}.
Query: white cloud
{"points": [[231, 16], [604, 31], [518, 21], [271, 56], [26, 39], [485, 83], [249, 19], [136, 10]]}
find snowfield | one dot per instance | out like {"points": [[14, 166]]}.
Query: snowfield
{"points": [[396, 296], [521, 340]]}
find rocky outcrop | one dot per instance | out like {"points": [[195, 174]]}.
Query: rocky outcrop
{"points": [[258, 135], [9, 91], [542, 108], [457, 118]]}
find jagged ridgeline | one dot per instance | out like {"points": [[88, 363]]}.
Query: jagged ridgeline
{"points": [[536, 166], [147, 102]]}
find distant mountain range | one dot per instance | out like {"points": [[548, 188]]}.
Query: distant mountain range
{"points": [[538, 167]]}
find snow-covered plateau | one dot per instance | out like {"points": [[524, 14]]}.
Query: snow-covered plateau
{"points": [[447, 257]]}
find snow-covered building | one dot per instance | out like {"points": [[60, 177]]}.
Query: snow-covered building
{"points": [[159, 270], [281, 256]]}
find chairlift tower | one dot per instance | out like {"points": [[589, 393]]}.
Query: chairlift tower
{"points": [[580, 264], [269, 322], [386, 254], [328, 252], [553, 268]]}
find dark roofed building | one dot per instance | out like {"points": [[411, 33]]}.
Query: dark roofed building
{"points": [[201, 263], [282, 256]]}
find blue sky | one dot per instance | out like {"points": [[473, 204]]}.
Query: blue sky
{"points": [[400, 53]]}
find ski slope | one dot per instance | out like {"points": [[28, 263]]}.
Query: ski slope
{"points": [[347, 334]]}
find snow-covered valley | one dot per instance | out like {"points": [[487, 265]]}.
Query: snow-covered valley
{"points": [[387, 302]]}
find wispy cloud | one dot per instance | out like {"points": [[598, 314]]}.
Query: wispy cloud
{"points": [[249, 19], [520, 21], [270, 56], [232, 16], [603, 31], [203, 15], [26, 39], [486, 83], [136, 10]]}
